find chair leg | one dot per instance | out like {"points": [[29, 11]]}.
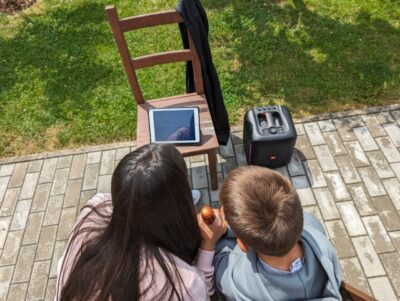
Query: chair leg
{"points": [[212, 163]]}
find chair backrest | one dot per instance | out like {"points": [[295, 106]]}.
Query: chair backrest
{"points": [[119, 26]]}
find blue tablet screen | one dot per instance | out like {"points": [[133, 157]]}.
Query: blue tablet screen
{"points": [[174, 125]]}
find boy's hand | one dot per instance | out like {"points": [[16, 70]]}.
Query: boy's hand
{"points": [[211, 233]]}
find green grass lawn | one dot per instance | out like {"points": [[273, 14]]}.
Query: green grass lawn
{"points": [[62, 83]]}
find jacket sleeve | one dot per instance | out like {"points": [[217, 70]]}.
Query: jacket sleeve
{"points": [[204, 263]]}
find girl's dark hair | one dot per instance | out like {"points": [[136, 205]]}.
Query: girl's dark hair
{"points": [[153, 216]]}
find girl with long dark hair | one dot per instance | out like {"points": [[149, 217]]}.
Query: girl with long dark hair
{"points": [[144, 241]]}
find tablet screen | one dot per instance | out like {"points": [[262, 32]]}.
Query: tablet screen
{"points": [[174, 125]]}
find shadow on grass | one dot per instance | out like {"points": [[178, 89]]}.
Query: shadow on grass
{"points": [[313, 62]]}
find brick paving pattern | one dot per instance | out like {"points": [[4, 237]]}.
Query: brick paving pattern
{"points": [[346, 169]]}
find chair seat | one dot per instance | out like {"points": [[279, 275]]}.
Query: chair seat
{"points": [[208, 138]]}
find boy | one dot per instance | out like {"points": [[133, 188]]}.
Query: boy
{"points": [[270, 251]]}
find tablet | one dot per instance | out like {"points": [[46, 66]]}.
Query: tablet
{"points": [[179, 126]]}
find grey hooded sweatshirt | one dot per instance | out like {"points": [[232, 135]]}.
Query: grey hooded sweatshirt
{"points": [[243, 276]]}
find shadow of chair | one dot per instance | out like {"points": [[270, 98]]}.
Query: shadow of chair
{"points": [[209, 143]]}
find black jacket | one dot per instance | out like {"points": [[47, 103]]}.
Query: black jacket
{"points": [[196, 22]]}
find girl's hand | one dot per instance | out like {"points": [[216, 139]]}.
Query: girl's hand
{"points": [[211, 233]]}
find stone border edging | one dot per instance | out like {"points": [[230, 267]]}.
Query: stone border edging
{"points": [[102, 147]]}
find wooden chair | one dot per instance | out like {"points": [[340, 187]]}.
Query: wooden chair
{"points": [[350, 293], [209, 143]]}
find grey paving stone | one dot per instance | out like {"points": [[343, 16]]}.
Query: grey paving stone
{"points": [[85, 196], [396, 169], [393, 131], [393, 189], [295, 165], [340, 239], [380, 164], [326, 125], [20, 216], [4, 226], [214, 194], [48, 170], [64, 162], [121, 152], [35, 166], [18, 175], [382, 289], [17, 292], [314, 133], [67, 220], [325, 158], [199, 175], [353, 274], [361, 199], [391, 263], [5, 280], [29, 186], [23, 268], [41, 197], [384, 117], [46, 243], [356, 153], [10, 201], [304, 148], [37, 286], [58, 251], [6, 170], [92, 158], [60, 181], [205, 199], [337, 186], [314, 210], [299, 129], [351, 219], [91, 177], [240, 155], [389, 149], [326, 203], [228, 166], [11, 248], [237, 138], [303, 190], [72, 193], [373, 125], [283, 171], [107, 162], [396, 115], [314, 174], [33, 227], [78, 166], [365, 138], [227, 151], [3, 187], [347, 169], [50, 290], [378, 234], [198, 158], [371, 181], [334, 143], [104, 184], [52, 216], [387, 212], [368, 257], [396, 239], [344, 128]]}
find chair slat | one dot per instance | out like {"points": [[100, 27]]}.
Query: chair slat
{"points": [[148, 20], [162, 58]]}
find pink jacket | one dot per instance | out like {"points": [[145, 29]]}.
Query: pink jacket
{"points": [[198, 278]]}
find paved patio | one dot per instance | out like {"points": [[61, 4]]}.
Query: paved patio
{"points": [[346, 169]]}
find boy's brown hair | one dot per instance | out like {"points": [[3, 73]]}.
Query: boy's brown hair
{"points": [[263, 209]]}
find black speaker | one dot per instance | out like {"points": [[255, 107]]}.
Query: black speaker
{"points": [[269, 136]]}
